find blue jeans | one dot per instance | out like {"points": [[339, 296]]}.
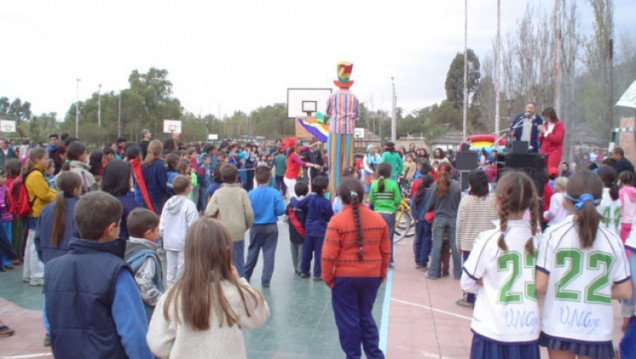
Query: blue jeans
{"points": [[238, 257], [312, 244], [262, 237], [443, 224], [352, 301], [389, 218], [422, 243]]}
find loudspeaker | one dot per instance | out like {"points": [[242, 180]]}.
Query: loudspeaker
{"points": [[466, 161], [517, 147], [533, 164]]}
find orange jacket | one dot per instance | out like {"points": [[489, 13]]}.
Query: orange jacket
{"points": [[340, 252]]}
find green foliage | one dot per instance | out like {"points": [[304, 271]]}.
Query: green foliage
{"points": [[15, 110], [455, 78]]}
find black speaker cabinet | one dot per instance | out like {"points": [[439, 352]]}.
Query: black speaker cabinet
{"points": [[533, 164], [517, 147], [466, 161]]}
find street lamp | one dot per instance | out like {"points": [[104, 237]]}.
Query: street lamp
{"points": [[77, 109]]}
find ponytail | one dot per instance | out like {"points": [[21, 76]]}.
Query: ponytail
{"points": [[355, 204], [381, 184], [59, 223], [587, 218]]}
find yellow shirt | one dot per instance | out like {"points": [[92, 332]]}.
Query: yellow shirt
{"points": [[38, 190]]}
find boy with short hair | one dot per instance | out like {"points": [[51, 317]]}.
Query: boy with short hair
{"points": [[179, 213], [91, 300], [232, 207], [143, 228], [296, 221], [268, 205]]}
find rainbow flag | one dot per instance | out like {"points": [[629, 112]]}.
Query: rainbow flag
{"points": [[316, 127]]}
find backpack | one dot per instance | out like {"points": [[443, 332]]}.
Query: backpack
{"points": [[18, 202]]}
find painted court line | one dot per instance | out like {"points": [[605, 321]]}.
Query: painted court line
{"points": [[425, 307], [386, 303], [26, 356]]}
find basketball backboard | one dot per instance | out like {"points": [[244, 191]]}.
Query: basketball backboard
{"points": [[303, 100]]}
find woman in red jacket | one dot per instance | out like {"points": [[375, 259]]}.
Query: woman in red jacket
{"points": [[551, 137]]}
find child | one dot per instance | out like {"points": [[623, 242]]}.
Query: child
{"points": [[349, 172], [409, 169], [385, 196], [55, 226], [500, 270], [422, 243], [78, 157], [143, 227], [179, 213], [5, 218], [296, 221], [232, 207], [184, 169], [557, 213], [172, 163], [94, 271], [49, 173], [581, 267], [217, 181], [268, 205], [319, 213], [355, 259], [627, 196], [610, 206], [116, 181], [203, 314], [13, 167]]}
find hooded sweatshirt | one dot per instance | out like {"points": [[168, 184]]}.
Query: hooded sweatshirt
{"points": [[178, 214], [627, 196]]}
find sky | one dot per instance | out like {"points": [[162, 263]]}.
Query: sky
{"points": [[225, 56]]}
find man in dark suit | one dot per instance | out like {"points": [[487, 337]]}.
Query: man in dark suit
{"points": [[524, 127]]}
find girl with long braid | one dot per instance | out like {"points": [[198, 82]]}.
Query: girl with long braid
{"points": [[355, 259], [581, 267], [500, 270]]}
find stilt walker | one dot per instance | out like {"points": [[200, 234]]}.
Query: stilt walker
{"points": [[343, 112]]}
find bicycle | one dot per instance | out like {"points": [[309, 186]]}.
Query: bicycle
{"points": [[404, 223]]}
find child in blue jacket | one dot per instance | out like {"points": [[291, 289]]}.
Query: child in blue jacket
{"points": [[319, 212]]}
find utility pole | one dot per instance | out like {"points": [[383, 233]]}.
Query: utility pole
{"points": [[99, 106], [465, 69], [557, 56], [393, 113], [497, 81], [77, 109]]}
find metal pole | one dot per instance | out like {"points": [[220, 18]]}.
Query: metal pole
{"points": [[119, 117], [393, 114], [77, 109], [557, 57], [497, 84], [465, 68], [99, 105]]}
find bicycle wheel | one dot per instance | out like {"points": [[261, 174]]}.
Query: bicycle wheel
{"points": [[404, 226]]}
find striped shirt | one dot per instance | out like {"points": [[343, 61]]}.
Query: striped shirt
{"points": [[342, 109], [475, 215]]}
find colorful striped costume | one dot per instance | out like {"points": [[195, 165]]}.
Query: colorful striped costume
{"points": [[343, 112]]}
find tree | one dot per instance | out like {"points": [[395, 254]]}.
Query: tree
{"points": [[455, 78]]}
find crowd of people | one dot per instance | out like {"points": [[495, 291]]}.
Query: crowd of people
{"points": [[67, 212]]}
